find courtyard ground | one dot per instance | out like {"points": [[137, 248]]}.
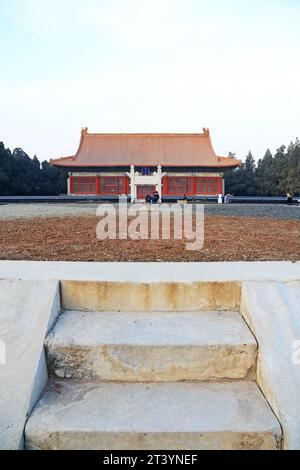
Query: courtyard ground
{"points": [[55, 232]]}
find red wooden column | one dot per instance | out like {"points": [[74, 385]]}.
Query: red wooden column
{"points": [[71, 184], [193, 186], [220, 185], [165, 183], [124, 185], [97, 184]]}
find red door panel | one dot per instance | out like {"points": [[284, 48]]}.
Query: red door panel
{"points": [[144, 189]]}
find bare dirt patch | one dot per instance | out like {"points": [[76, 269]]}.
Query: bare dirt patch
{"points": [[74, 239]]}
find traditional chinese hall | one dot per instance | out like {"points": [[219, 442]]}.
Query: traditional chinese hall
{"points": [[134, 165]]}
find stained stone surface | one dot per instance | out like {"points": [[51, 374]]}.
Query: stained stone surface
{"points": [[272, 309], [27, 312], [152, 346], [228, 415]]}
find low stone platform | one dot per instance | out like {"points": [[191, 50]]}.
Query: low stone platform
{"points": [[152, 346], [156, 416], [228, 330]]}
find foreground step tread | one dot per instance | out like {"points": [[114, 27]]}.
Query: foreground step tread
{"points": [[101, 416], [158, 346]]}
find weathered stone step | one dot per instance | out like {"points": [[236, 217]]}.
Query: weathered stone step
{"points": [[148, 347], [149, 293], [101, 416]]}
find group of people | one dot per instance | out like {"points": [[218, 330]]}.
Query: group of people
{"points": [[152, 198], [227, 198], [224, 199]]}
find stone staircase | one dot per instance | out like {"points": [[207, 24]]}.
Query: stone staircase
{"points": [[152, 380]]}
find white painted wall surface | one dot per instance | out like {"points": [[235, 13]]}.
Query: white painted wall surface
{"points": [[152, 272], [28, 310], [272, 310]]}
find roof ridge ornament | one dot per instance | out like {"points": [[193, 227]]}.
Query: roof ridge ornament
{"points": [[84, 130], [205, 131]]}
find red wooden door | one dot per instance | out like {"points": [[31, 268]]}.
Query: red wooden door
{"points": [[144, 189]]}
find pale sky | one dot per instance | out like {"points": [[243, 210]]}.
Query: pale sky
{"points": [[149, 66]]}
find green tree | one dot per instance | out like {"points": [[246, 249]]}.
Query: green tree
{"points": [[5, 170], [21, 175], [264, 176], [242, 181]]}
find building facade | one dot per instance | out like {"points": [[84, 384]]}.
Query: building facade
{"points": [[137, 164]]}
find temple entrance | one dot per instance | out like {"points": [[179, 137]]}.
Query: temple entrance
{"points": [[143, 189]]}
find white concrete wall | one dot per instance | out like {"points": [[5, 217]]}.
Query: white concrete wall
{"points": [[28, 310], [272, 310], [151, 272]]}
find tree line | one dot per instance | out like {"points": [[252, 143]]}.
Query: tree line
{"points": [[272, 175], [21, 175]]}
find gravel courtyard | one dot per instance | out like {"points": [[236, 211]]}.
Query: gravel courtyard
{"points": [[273, 211], [67, 232]]}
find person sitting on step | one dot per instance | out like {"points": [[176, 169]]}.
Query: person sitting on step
{"points": [[155, 197]]}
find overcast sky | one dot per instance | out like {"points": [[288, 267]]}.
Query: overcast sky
{"points": [[149, 66]]}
